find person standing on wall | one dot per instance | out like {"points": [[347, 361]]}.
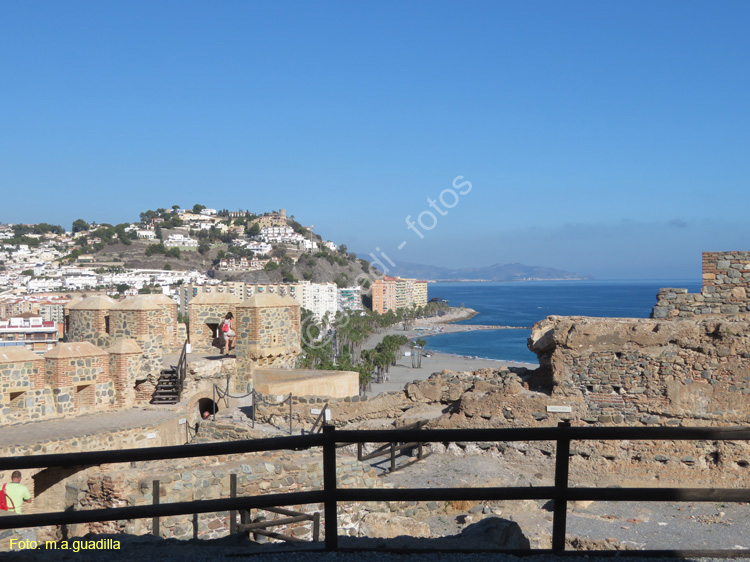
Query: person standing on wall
{"points": [[15, 494], [227, 332]]}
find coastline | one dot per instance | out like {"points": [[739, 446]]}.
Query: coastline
{"points": [[402, 372]]}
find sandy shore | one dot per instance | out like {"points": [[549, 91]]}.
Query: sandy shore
{"points": [[402, 373]]}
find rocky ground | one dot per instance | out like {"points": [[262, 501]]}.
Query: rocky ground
{"points": [[600, 525]]}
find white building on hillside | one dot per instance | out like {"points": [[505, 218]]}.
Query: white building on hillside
{"points": [[180, 241]]}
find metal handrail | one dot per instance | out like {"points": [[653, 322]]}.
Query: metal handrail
{"points": [[321, 419], [331, 494], [182, 370]]}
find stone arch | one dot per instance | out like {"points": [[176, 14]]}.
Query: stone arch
{"points": [[207, 405], [197, 400]]}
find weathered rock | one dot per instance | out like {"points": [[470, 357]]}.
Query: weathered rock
{"points": [[497, 532], [388, 526]]}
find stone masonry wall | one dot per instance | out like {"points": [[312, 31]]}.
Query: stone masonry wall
{"points": [[89, 326], [725, 289], [48, 487], [147, 328], [201, 336], [80, 384], [639, 369], [125, 369], [23, 395], [170, 326], [257, 474], [266, 337]]}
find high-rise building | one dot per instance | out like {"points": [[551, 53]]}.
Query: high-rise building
{"points": [[350, 298], [392, 293]]}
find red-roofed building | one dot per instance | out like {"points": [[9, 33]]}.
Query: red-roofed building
{"points": [[33, 333]]}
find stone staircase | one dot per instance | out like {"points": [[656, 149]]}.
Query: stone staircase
{"points": [[167, 390]]}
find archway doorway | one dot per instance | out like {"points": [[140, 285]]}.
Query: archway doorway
{"points": [[207, 405]]}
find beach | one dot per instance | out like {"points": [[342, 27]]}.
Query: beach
{"points": [[402, 372]]}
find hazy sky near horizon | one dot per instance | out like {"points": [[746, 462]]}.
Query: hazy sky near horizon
{"points": [[606, 138]]}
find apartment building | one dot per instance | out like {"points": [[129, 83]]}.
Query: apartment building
{"points": [[392, 293], [32, 332], [419, 293], [350, 298]]}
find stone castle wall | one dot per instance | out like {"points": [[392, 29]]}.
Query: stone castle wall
{"points": [[48, 486], [726, 276], [23, 393], [644, 369], [80, 384], [268, 336], [257, 474]]}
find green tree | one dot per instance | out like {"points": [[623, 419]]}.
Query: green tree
{"points": [[197, 208], [80, 225]]}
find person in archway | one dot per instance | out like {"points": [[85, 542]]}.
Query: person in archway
{"points": [[228, 333]]}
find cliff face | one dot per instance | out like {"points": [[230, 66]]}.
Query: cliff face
{"points": [[633, 369]]}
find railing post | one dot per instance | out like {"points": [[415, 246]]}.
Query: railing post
{"points": [[232, 513], [290, 413], [419, 444], [329, 487], [254, 407], [155, 501], [393, 456], [562, 459], [359, 451], [316, 526]]}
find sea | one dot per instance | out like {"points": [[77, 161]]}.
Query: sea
{"points": [[522, 304]]}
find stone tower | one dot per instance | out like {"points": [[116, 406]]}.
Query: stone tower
{"points": [[142, 319], [88, 320], [267, 333], [207, 312]]}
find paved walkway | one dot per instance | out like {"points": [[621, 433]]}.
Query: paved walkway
{"points": [[79, 426]]}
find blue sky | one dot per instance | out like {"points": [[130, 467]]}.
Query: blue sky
{"points": [[607, 138]]}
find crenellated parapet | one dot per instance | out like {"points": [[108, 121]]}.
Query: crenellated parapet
{"points": [[725, 289]]}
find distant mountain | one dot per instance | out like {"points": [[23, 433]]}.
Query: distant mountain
{"points": [[496, 272]]}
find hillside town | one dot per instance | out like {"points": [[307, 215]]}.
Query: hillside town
{"points": [[44, 268]]}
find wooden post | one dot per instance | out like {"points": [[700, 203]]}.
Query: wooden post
{"points": [[195, 525], [155, 501], [232, 513], [254, 406], [562, 458], [329, 487], [419, 445], [316, 526], [290, 413], [359, 451], [393, 457]]}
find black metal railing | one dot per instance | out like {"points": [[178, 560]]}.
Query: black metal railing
{"points": [[393, 448], [320, 421], [182, 370], [331, 495]]}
